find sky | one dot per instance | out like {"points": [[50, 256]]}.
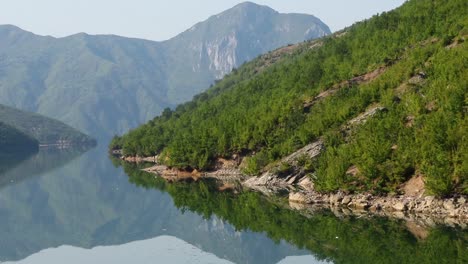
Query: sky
{"points": [[163, 19]]}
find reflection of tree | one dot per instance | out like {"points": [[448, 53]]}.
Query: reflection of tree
{"points": [[88, 203], [10, 160], [349, 240], [18, 167]]}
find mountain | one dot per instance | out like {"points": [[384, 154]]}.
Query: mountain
{"points": [[107, 84], [382, 101], [13, 140], [39, 129]]}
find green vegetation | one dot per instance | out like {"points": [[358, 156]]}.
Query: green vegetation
{"points": [[339, 240], [15, 141], [108, 84], [43, 129], [259, 110]]}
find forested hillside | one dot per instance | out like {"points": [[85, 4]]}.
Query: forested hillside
{"points": [[410, 64], [43, 129], [107, 84]]}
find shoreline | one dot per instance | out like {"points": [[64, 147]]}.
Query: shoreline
{"points": [[427, 210], [449, 210]]}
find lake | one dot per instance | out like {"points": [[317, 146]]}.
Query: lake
{"points": [[66, 206]]}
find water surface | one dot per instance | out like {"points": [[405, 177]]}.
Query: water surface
{"points": [[63, 206]]}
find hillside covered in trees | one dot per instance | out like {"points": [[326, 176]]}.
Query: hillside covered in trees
{"points": [[410, 64], [43, 129]]}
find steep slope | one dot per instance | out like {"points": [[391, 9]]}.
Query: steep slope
{"points": [[107, 84], [41, 129], [13, 140], [410, 63], [202, 53]]}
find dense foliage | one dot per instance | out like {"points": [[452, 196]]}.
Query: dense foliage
{"points": [[259, 109], [43, 129], [339, 240]]}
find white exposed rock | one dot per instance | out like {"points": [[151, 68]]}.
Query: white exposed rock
{"points": [[222, 54], [449, 205], [346, 200], [400, 206], [462, 200], [362, 118], [297, 197], [310, 151], [257, 181], [307, 184]]}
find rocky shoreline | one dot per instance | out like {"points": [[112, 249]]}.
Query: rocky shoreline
{"points": [[426, 210], [455, 207], [417, 223], [173, 175], [413, 204]]}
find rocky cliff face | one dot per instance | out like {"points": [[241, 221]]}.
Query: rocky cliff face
{"points": [[247, 30]]}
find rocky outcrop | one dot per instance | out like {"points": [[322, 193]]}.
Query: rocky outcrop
{"points": [[273, 179], [310, 151], [361, 79], [175, 175], [138, 159], [362, 118], [416, 222], [455, 207]]}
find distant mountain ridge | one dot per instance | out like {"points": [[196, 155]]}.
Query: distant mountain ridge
{"points": [[107, 84], [34, 129]]}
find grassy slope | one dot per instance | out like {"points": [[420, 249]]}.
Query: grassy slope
{"points": [[260, 112]]}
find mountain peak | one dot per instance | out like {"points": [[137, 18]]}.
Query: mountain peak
{"points": [[246, 8], [145, 76], [250, 5], [10, 29]]}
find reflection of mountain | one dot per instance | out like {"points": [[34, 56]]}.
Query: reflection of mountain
{"points": [[12, 159], [43, 129], [351, 240], [18, 167], [161, 249], [89, 203], [12, 140]]}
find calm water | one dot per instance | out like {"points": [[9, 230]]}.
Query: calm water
{"points": [[69, 207]]}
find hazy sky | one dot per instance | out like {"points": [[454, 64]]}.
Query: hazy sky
{"points": [[163, 19]]}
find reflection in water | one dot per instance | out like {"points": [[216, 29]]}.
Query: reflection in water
{"points": [[10, 160], [88, 203], [348, 240], [164, 249], [18, 167]]}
